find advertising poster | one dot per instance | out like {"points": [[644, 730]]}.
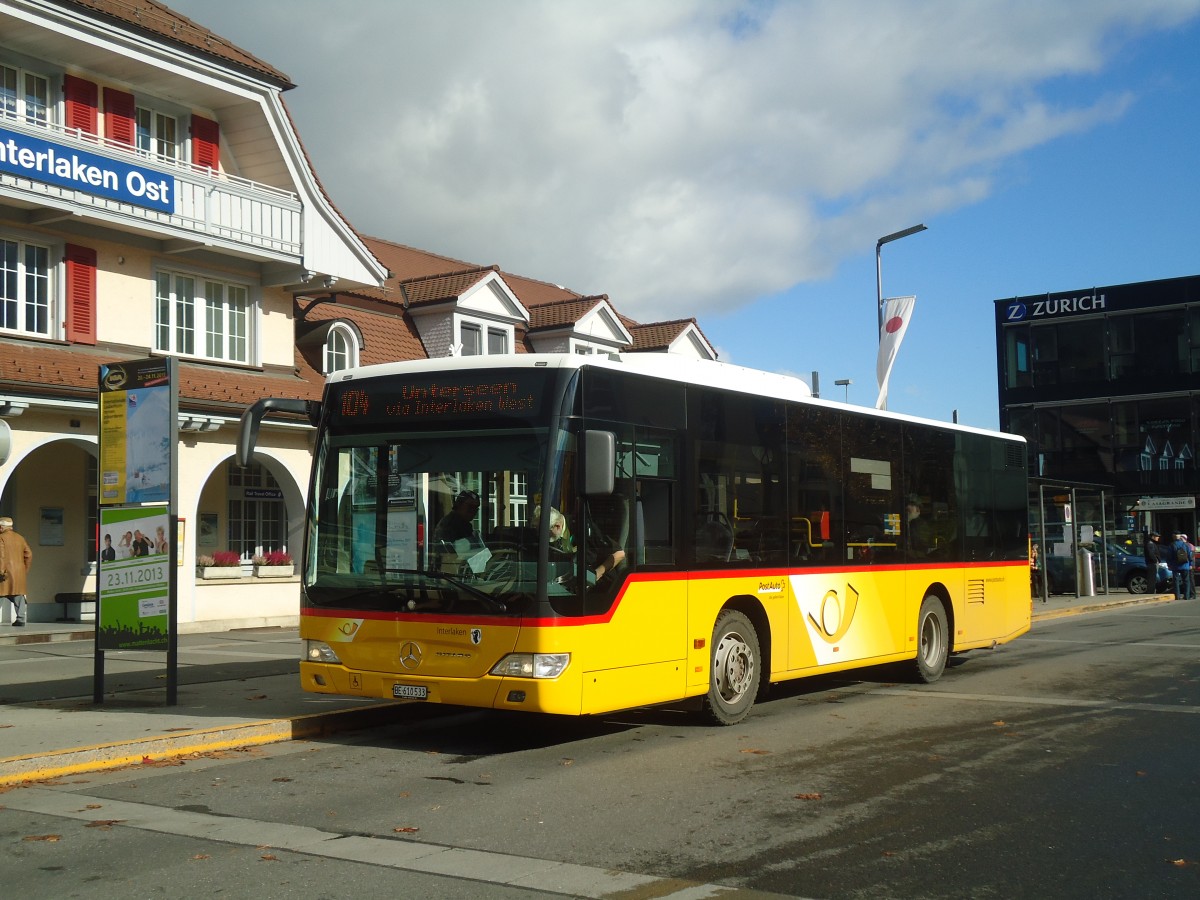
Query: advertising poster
{"points": [[133, 581], [135, 432]]}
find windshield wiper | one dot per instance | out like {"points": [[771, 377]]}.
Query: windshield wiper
{"points": [[485, 598]]}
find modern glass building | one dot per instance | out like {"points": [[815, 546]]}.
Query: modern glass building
{"points": [[1104, 383]]}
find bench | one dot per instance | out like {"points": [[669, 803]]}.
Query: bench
{"points": [[66, 599]]}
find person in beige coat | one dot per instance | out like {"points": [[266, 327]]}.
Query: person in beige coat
{"points": [[15, 560]]}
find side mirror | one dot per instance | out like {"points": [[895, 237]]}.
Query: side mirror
{"points": [[600, 448]]}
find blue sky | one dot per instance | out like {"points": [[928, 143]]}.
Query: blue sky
{"points": [[736, 161]]}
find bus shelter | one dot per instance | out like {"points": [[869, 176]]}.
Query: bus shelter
{"points": [[1073, 526]]}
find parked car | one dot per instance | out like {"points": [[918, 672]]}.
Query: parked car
{"points": [[1125, 569]]}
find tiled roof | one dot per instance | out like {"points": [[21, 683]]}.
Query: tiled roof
{"points": [[39, 370], [532, 292], [563, 312], [435, 288], [659, 335], [387, 335], [162, 22]]}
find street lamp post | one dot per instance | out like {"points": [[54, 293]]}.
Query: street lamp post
{"points": [[845, 383], [887, 239]]}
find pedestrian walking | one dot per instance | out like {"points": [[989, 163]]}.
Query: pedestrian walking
{"points": [[1180, 558], [1191, 579], [15, 560]]}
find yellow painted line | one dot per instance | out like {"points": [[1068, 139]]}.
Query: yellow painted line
{"points": [[100, 757]]}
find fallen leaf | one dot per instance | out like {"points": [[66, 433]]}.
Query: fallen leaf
{"points": [[271, 857], [404, 795], [405, 829], [258, 697], [758, 752], [104, 823], [51, 838], [888, 853], [281, 778], [1174, 862], [92, 806], [201, 856], [1000, 723], [808, 796], [566, 761], [1140, 774]]}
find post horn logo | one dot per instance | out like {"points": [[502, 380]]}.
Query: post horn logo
{"points": [[835, 617]]}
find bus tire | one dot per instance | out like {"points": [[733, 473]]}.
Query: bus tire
{"points": [[933, 640], [736, 669]]}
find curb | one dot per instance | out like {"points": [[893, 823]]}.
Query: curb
{"points": [[1098, 607], [157, 750]]}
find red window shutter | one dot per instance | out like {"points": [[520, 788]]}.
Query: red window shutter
{"points": [[81, 294], [119, 111], [81, 96], [206, 143]]}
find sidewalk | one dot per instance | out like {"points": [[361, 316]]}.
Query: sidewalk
{"points": [[235, 689]]}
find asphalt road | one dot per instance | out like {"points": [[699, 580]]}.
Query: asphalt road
{"points": [[1062, 765]]}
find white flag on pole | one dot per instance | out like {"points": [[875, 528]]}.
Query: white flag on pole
{"points": [[896, 313]]}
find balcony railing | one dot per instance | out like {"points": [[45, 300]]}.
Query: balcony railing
{"points": [[213, 207]]}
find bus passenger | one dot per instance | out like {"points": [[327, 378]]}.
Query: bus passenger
{"points": [[459, 523]]}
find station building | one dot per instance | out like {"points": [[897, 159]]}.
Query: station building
{"points": [[155, 199], [1104, 383]]}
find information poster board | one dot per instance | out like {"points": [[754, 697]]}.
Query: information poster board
{"points": [[135, 432], [135, 586]]}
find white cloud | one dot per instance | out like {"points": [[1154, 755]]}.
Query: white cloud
{"points": [[680, 156]]}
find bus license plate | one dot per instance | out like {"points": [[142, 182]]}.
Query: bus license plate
{"points": [[410, 691]]}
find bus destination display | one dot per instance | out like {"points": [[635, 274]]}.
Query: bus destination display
{"points": [[453, 397]]}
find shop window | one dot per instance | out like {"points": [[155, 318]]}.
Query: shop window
{"points": [[198, 316], [257, 513]]}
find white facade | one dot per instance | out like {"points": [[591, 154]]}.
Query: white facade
{"points": [[202, 265]]}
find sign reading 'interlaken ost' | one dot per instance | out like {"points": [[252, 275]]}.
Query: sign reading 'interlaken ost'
{"points": [[30, 157]]}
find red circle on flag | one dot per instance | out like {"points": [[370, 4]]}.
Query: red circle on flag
{"points": [[893, 325]]}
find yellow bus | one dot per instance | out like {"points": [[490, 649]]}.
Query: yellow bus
{"points": [[581, 534]]}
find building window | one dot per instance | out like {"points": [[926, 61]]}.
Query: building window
{"points": [[257, 514], [24, 95], [25, 296], [227, 317], [341, 349], [157, 134], [471, 338]]}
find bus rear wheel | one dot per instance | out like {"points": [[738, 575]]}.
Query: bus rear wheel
{"points": [[736, 669], [933, 640]]}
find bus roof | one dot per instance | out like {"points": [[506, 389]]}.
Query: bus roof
{"points": [[669, 367]]}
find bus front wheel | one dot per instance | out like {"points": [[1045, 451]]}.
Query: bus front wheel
{"points": [[933, 640], [736, 669]]}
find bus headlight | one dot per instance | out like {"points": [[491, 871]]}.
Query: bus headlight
{"points": [[319, 652], [532, 665]]}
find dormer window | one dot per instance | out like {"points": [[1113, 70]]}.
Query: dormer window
{"points": [[341, 348], [472, 335]]}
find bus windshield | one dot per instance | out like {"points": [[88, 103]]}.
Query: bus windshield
{"points": [[421, 522]]}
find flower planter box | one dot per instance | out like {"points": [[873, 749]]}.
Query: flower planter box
{"points": [[210, 572], [274, 571]]}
